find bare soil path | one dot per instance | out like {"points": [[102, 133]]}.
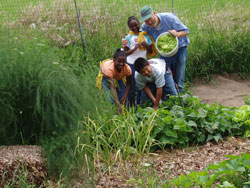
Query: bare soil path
{"points": [[228, 90]]}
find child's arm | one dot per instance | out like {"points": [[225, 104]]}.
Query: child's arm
{"points": [[128, 86], [124, 42], [127, 46], [158, 97], [131, 51], [149, 47], [149, 93], [111, 82], [151, 96]]}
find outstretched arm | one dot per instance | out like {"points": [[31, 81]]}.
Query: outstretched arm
{"points": [[111, 82], [128, 86], [149, 93], [131, 51], [151, 96], [158, 97]]}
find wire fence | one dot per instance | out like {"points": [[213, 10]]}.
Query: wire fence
{"points": [[15, 10], [105, 16]]}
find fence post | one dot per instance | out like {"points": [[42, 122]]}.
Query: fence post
{"points": [[172, 6], [84, 44]]}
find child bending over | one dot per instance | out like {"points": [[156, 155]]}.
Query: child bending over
{"points": [[116, 77], [151, 77]]}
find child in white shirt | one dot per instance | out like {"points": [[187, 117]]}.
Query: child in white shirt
{"points": [[151, 77]]}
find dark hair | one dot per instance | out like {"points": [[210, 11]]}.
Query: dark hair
{"points": [[119, 52], [140, 63], [132, 18]]}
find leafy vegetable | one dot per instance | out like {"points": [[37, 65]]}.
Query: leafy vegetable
{"points": [[195, 123], [235, 170], [166, 43], [242, 116]]}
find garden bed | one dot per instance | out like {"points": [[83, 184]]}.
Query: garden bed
{"points": [[172, 163]]}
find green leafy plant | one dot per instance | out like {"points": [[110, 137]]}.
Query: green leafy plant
{"points": [[230, 173], [242, 116], [196, 122], [166, 43], [247, 99]]}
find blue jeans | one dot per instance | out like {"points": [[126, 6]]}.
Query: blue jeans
{"points": [[120, 89], [177, 64], [168, 88], [134, 93]]}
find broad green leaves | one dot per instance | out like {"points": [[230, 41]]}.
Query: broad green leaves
{"points": [[242, 116], [166, 43], [232, 173], [195, 123]]}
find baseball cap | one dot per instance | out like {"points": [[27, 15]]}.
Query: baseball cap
{"points": [[145, 13]]}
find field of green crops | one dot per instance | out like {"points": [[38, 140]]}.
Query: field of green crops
{"points": [[48, 95]]}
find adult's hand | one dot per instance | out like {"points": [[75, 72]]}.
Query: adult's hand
{"points": [[173, 32], [178, 33]]}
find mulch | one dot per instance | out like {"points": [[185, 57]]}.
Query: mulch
{"points": [[28, 162], [172, 163], [22, 161]]}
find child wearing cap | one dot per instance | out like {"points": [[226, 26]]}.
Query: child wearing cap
{"points": [[155, 24], [156, 82]]}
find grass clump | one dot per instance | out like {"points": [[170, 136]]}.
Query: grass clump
{"points": [[220, 44], [219, 53], [43, 100], [36, 97]]}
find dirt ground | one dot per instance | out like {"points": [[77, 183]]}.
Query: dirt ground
{"points": [[228, 90]]}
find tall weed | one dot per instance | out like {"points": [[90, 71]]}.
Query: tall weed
{"points": [[43, 100], [115, 139]]}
